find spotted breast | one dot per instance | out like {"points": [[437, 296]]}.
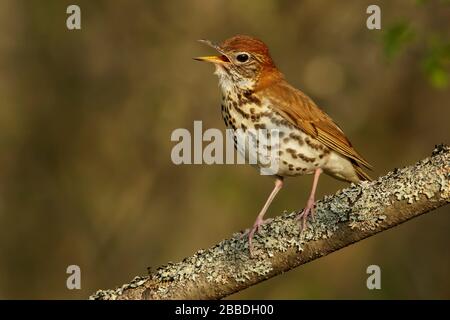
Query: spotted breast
{"points": [[298, 153]]}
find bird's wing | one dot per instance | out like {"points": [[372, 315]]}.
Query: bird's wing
{"points": [[302, 112]]}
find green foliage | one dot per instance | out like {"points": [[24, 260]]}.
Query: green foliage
{"points": [[396, 38], [430, 44], [436, 62]]}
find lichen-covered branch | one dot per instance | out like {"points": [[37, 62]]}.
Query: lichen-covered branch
{"points": [[350, 215]]}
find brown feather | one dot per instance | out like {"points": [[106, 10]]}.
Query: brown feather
{"points": [[301, 111], [361, 174]]}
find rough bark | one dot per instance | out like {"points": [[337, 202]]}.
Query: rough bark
{"points": [[350, 215]]}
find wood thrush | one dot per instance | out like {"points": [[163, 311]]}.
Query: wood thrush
{"points": [[255, 95]]}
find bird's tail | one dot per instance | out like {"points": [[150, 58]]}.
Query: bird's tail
{"points": [[361, 174]]}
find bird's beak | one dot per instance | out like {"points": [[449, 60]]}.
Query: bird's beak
{"points": [[219, 59], [213, 59]]}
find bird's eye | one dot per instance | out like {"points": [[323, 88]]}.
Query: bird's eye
{"points": [[242, 57]]}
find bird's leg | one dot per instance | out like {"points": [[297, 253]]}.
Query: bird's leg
{"points": [[309, 209], [259, 220]]}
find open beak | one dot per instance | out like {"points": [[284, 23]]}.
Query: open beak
{"points": [[213, 59], [219, 59]]}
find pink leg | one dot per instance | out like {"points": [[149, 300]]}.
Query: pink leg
{"points": [[259, 220], [309, 209]]}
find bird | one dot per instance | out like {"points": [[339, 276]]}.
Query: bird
{"points": [[256, 95]]}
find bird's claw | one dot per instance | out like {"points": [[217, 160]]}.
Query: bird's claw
{"points": [[308, 211], [246, 231], [251, 232]]}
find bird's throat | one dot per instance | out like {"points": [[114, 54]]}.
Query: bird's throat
{"points": [[231, 83]]}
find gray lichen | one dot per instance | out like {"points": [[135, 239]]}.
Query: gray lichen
{"points": [[114, 294], [360, 206]]}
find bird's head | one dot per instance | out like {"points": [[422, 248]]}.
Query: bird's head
{"points": [[242, 62]]}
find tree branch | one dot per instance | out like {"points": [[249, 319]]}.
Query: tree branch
{"points": [[350, 215]]}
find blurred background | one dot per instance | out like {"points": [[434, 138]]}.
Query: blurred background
{"points": [[86, 116]]}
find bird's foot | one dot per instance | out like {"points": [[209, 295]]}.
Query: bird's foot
{"points": [[258, 224], [251, 232], [308, 211]]}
